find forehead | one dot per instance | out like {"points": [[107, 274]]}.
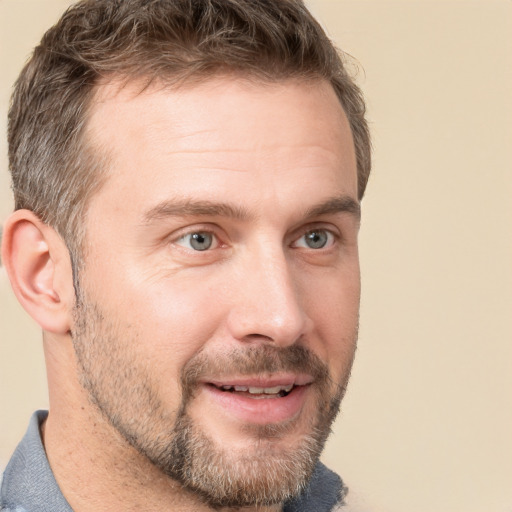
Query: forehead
{"points": [[235, 131]]}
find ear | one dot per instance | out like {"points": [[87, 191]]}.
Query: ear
{"points": [[38, 264]]}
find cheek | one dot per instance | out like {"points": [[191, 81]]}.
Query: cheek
{"points": [[334, 309], [177, 318], [162, 323]]}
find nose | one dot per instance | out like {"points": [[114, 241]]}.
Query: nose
{"points": [[267, 303]]}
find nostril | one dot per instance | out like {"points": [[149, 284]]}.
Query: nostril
{"points": [[257, 338]]}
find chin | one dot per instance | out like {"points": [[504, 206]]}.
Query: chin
{"points": [[267, 464]]}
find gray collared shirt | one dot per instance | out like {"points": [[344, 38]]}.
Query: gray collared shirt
{"points": [[29, 485]]}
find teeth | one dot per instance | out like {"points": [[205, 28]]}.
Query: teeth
{"points": [[270, 391], [259, 391]]}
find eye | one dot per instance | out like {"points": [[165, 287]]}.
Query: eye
{"points": [[315, 239], [198, 241]]}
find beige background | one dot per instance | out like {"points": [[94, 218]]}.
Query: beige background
{"points": [[427, 423]]}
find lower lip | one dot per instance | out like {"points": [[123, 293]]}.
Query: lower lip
{"points": [[260, 411]]}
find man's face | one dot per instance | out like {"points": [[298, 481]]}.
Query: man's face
{"points": [[220, 285]]}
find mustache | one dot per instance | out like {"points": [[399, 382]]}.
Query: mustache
{"points": [[253, 360]]}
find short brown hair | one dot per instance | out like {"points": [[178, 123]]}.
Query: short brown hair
{"points": [[54, 171]]}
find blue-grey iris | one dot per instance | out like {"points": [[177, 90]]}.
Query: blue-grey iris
{"points": [[316, 239], [201, 241]]}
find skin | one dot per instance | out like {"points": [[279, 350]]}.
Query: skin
{"points": [[281, 158]]}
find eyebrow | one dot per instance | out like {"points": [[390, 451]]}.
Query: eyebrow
{"points": [[191, 208], [205, 208], [341, 204]]}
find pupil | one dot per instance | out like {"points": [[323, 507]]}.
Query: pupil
{"points": [[201, 241], [316, 239]]}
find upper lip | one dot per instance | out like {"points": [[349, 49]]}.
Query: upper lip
{"points": [[256, 381]]}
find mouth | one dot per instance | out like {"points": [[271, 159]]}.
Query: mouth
{"points": [[261, 401]]}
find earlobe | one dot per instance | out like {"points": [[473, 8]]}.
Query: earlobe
{"points": [[33, 255]]}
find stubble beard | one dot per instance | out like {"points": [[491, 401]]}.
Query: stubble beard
{"points": [[266, 473]]}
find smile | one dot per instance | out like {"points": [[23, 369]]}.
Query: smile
{"points": [[259, 392], [259, 400]]}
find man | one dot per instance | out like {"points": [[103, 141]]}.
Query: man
{"points": [[187, 177]]}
